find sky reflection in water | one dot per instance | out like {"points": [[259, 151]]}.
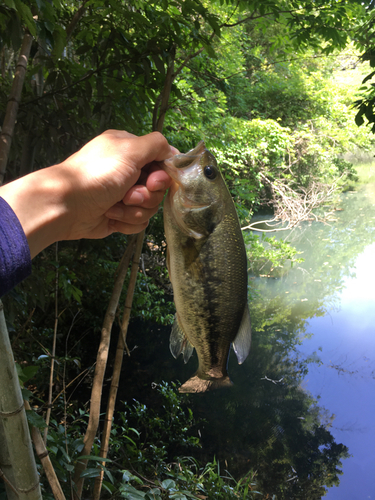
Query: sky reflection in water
{"points": [[345, 381], [343, 331]]}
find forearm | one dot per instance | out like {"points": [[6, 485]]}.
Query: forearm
{"points": [[94, 192], [40, 202]]}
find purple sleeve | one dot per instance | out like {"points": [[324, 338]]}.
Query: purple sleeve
{"points": [[15, 260]]}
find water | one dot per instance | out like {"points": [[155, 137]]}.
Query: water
{"points": [[301, 410], [338, 277]]}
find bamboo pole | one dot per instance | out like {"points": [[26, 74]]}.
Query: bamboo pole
{"points": [[101, 363], [13, 417], [43, 456], [13, 104], [121, 345], [6, 469]]}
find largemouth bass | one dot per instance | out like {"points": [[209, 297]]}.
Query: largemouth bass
{"points": [[207, 265]]}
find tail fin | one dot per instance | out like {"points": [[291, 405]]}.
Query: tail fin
{"points": [[196, 384]]}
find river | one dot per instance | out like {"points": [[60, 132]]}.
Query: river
{"points": [[300, 414], [337, 278]]}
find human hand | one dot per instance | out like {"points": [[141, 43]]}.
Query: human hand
{"points": [[116, 183], [112, 184]]}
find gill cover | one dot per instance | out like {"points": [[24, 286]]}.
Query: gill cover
{"points": [[195, 197]]}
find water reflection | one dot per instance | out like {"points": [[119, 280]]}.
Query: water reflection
{"points": [[333, 291], [283, 418]]}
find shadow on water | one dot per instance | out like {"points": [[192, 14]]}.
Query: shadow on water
{"points": [[267, 421]]}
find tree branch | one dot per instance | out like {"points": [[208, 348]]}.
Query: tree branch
{"points": [[13, 104]]}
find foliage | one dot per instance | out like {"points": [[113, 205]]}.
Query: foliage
{"points": [[142, 463], [267, 255], [250, 79]]}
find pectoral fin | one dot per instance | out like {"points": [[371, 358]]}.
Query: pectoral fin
{"points": [[178, 342], [242, 342]]}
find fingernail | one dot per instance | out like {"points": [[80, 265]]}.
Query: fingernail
{"points": [[159, 186]]}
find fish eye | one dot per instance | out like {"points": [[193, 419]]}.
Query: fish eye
{"points": [[210, 172]]}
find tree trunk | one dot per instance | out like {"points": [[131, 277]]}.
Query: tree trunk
{"points": [[163, 99], [13, 416], [13, 103], [101, 363], [75, 20], [28, 153]]}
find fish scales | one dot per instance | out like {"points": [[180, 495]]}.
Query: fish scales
{"points": [[208, 269]]}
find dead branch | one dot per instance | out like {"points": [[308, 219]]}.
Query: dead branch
{"points": [[292, 206], [50, 389], [121, 345], [101, 363]]}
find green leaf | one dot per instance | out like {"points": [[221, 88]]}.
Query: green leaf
{"points": [[109, 487], [26, 373], [10, 4], [168, 484], [153, 496], [95, 458], [59, 41], [127, 476], [26, 15], [91, 473], [131, 493], [109, 475], [359, 119], [159, 63], [26, 394], [209, 49], [35, 419]]}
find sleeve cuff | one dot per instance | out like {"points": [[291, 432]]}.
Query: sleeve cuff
{"points": [[15, 259]]}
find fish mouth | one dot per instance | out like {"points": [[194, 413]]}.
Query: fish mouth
{"points": [[182, 165], [175, 165]]}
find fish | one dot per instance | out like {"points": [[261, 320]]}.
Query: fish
{"points": [[207, 265]]}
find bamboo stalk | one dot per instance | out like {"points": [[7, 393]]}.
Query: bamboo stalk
{"points": [[101, 363], [6, 470], [13, 417], [121, 345], [43, 456], [13, 103]]}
